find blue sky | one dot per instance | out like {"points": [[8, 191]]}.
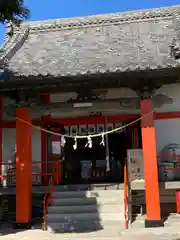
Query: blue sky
{"points": [[46, 9]]}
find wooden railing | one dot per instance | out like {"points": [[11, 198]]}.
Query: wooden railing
{"points": [[47, 200]]}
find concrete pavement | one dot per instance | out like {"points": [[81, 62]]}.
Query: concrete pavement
{"points": [[167, 233]]}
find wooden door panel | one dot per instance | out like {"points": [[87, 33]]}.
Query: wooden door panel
{"points": [[133, 136]]}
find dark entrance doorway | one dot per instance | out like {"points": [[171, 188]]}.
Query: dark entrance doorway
{"points": [[88, 165]]}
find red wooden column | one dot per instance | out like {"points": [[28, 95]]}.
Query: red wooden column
{"points": [[23, 168], [44, 124], [150, 165], [1, 130]]}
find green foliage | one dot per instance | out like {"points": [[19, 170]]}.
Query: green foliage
{"points": [[13, 10]]}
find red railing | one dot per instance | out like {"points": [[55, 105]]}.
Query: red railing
{"points": [[125, 196], [8, 176], [169, 156], [169, 167], [52, 178], [55, 178]]}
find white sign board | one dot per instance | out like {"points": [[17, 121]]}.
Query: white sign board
{"points": [[56, 147]]}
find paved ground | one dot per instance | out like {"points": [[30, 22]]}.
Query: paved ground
{"points": [[135, 234]]}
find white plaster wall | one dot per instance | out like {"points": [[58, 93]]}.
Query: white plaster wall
{"points": [[168, 143], [171, 91], [103, 93], [9, 142], [167, 133], [36, 153]]}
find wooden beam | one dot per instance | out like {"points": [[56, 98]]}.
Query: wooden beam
{"points": [[95, 120]]}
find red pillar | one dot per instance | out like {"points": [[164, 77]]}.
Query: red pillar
{"points": [[44, 123], [23, 168], [150, 165], [178, 201], [1, 129]]}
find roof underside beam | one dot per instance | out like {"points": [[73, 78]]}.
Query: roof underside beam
{"points": [[135, 80]]}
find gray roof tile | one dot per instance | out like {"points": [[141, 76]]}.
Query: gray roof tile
{"points": [[104, 43]]}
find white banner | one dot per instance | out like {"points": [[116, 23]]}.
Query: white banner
{"points": [[56, 147]]}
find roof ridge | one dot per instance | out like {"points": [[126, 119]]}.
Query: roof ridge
{"points": [[102, 18]]}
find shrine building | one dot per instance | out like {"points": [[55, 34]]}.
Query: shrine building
{"points": [[87, 75]]}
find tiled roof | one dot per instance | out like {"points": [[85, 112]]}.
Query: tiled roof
{"points": [[128, 41]]}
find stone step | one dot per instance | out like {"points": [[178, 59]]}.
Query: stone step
{"points": [[85, 237], [163, 199], [86, 209], [160, 232], [88, 226], [88, 194], [55, 217], [89, 187], [174, 216], [171, 221], [87, 201]]}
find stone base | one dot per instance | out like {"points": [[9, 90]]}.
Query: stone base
{"points": [[154, 223], [22, 225]]}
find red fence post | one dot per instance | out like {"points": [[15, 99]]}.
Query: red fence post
{"points": [[178, 201]]}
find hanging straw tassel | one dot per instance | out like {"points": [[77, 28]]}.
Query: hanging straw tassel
{"points": [[63, 141], [102, 140], [75, 144], [89, 142]]}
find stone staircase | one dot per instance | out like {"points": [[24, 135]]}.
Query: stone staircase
{"points": [[97, 214], [87, 212], [171, 221]]}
